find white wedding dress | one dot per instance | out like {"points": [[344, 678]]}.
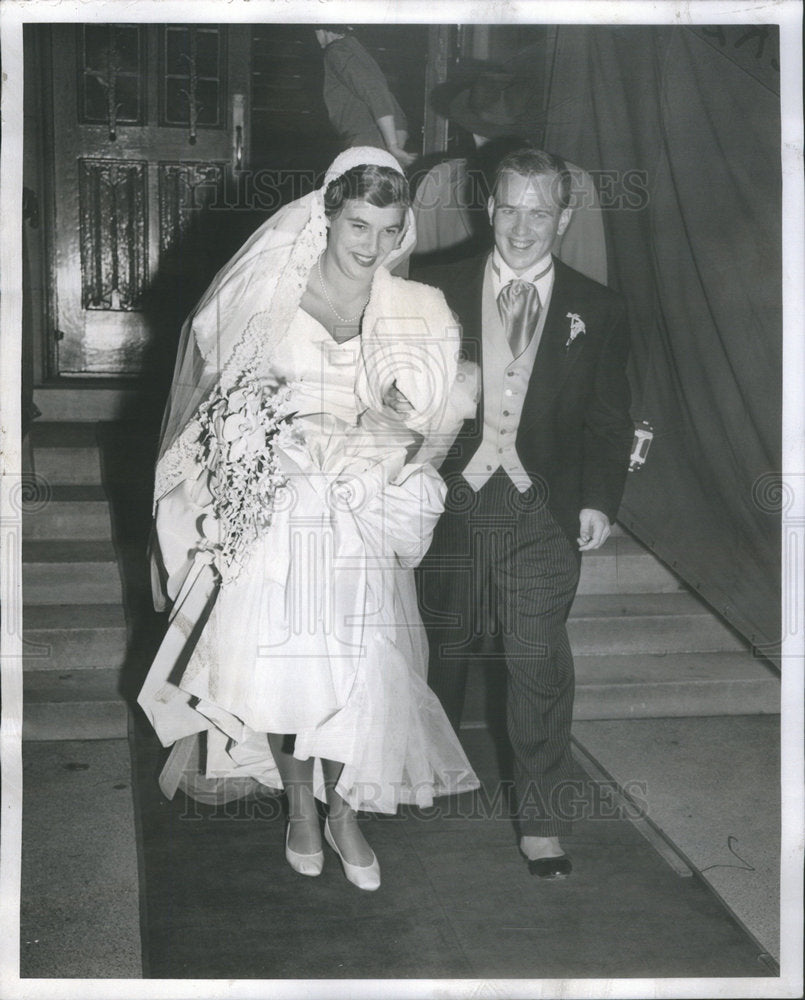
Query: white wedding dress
{"points": [[320, 635]]}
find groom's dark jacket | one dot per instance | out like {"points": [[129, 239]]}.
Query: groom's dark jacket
{"points": [[575, 432]]}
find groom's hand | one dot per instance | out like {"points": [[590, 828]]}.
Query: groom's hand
{"points": [[594, 529]]}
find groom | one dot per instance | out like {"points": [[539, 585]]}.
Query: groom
{"points": [[534, 480]]}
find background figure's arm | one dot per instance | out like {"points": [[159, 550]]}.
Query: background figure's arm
{"points": [[390, 135]]}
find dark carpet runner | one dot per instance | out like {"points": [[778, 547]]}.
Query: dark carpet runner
{"points": [[456, 900]]}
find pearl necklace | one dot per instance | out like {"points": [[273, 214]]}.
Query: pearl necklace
{"points": [[337, 314]]}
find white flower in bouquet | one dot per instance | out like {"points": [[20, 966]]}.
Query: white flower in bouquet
{"points": [[239, 424]]}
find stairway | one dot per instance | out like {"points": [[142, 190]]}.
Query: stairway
{"points": [[76, 628], [644, 646]]}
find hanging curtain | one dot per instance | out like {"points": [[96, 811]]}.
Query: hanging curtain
{"points": [[683, 127]]}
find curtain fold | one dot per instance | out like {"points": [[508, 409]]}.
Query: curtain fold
{"points": [[681, 128]]}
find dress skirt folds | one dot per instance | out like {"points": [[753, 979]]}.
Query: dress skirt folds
{"points": [[319, 635]]}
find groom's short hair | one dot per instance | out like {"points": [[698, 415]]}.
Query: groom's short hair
{"points": [[534, 163]]}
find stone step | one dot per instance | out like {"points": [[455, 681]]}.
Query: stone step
{"points": [[66, 636], [63, 434], [676, 684], [138, 439], [623, 566], [66, 453], [68, 466], [85, 572], [94, 400], [68, 512], [644, 687], [623, 624], [74, 705]]}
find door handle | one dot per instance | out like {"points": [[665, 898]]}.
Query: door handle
{"points": [[238, 130]]}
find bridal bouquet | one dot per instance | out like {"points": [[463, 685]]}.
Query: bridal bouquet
{"points": [[239, 425]]}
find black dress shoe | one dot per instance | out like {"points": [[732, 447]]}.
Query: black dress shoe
{"points": [[559, 867]]}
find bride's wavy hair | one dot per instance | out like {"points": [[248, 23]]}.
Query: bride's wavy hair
{"points": [[379, 186]]}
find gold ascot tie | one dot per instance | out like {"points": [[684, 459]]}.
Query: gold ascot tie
{"points": [[519, 306]]}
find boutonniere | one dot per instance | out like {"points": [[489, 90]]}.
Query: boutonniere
{"points": [[577, 328]]}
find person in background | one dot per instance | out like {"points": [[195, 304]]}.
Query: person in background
{"points": [[362, 109], [498, 106]]}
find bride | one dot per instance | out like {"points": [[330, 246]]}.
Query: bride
{"points": [[303, 664]]}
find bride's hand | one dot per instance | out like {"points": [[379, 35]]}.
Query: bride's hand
{"points": [[396, 401]]}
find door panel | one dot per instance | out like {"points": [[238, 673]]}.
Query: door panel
{"points": [[143, 141]]}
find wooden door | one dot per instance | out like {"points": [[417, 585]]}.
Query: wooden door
{"points": [[147, 132]]}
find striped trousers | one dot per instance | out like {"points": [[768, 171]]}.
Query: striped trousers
{"points": [[501, 569]]}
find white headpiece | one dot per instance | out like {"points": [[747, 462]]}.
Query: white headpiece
{"points": [[357, 156]]}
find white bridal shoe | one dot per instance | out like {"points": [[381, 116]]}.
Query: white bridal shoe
{"points": [[305, 864], [363, 876]]}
